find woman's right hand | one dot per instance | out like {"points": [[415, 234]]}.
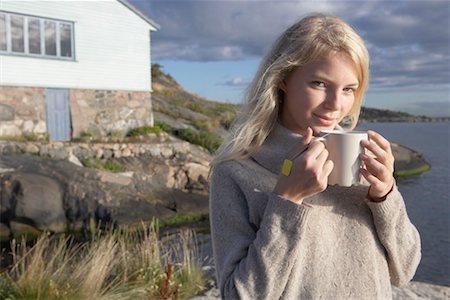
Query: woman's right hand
{"points": [[309, 173]]}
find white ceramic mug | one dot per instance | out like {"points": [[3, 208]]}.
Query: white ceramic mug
{"points": [[344, 148]]}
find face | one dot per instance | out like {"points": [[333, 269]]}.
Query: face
{"points": [[319, 94]]}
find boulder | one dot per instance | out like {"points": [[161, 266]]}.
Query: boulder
{"points": [[33, 200]]}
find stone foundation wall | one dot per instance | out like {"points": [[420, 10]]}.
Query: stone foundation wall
{"points": [[22, 111], [93, 112], [64, 150]]}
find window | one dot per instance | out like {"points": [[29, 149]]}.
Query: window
{"points": [[35, 36], [17, 34], [3, 45], [50, 38], [66, 41]]}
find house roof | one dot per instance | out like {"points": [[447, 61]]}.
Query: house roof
{"points": [[140, 14]]}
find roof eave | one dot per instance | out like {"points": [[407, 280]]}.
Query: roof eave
{"points": [[155, 26]]}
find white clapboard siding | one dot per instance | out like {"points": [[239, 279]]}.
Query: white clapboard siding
{"points": [[112, 48]]}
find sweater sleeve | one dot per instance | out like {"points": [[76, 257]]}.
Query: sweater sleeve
{"points": [[399, 237], [252, 263]]}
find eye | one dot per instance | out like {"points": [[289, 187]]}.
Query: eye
{"points": [[320, 84], [349, 90]]}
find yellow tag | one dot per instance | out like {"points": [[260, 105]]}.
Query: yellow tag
{"points": [[287, 166]]}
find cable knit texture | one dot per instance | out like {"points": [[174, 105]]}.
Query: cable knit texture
{"points": [[336, 245]]}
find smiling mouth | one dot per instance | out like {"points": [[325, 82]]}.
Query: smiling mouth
{"points": [[325, 120]]}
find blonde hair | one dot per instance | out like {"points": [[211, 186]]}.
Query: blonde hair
{"points": [[311, 38]]}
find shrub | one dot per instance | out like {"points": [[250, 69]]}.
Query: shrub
{"points": [[102, 165], [139, 131], [206, 139]]}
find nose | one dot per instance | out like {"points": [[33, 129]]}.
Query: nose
{"points": [[333, 100]]}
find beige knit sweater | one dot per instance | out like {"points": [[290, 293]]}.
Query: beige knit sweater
{"points": [[337, 245]]}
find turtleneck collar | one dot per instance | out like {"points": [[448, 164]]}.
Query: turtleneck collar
{"points": [[276, 147], [274, 150]]}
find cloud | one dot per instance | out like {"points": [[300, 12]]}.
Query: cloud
{"points": [[212, 27], [236, 82], [408, 40]]}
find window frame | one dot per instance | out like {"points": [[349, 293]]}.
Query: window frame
{"points": [[26, 28]]}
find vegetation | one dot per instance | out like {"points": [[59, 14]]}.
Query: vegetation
{"points": [[113, 264], [102, 165], [144, 130], [417, 171], [182, 220], [384, 115], [205, 139], [27, 137]]}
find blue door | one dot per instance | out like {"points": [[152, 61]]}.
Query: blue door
{"points": [[58, 114]]}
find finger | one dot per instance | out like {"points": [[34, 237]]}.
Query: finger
{"points": [[327, 168], [380, 140], [371, 179], [379, 153], [322, 157], [316, 149], [376, 168], [302, 146]]}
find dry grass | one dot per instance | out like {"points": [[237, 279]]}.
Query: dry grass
{"points": [[113, 265]]}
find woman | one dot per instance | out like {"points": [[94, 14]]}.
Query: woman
{"points": [[292, 236]]}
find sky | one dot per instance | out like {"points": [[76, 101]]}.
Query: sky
{"points": [[213, 48]]}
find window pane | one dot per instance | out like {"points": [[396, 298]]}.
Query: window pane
{"points": [[3, 32], [50, 38], [17, 37], [34, 36], [65, 31]]}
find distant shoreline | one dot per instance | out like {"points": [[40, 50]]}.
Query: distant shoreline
{"points": [[372, 115], [400, 120]]}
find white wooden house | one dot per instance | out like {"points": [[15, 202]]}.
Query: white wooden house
{"points": [[73, 67]]}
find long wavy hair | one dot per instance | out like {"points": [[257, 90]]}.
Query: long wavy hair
{"points": [[310, 38]]}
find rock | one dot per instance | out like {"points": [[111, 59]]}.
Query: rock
{"points": [[5, 232], [421, 290], [73, 159], [35, 200], [115, 178], [32, 148], [408, 161], [3, 170], [197, 174], [19, 230], [129, 198]]}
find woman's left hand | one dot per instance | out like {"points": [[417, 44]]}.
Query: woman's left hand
{"points": [[379, 168]]}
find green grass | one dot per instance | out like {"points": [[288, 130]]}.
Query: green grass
{"points": [[417, 171], [111, 264], [139, 131], [102, 165], [182, 220]]}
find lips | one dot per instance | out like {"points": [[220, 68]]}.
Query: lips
{"points": [[325, 120]]}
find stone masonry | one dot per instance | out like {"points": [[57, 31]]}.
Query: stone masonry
{"points": [[97, 112]]}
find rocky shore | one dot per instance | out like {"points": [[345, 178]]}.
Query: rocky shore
{"points": [[161, 177]]}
